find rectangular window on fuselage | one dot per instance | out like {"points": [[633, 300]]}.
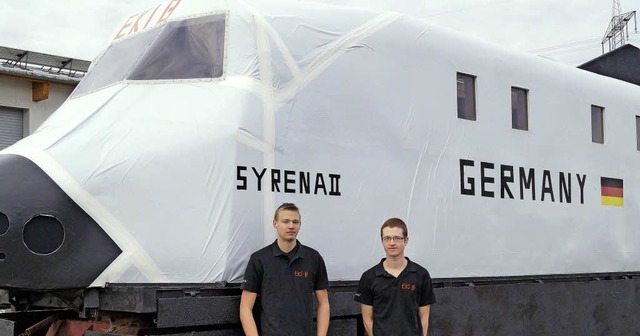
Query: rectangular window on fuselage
{"points": [[519, 109], [638, 133], [597, 124], [466, 87]]}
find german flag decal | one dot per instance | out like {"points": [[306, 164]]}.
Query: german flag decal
{"points": [[611, 190]]}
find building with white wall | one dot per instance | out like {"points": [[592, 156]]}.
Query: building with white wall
{"points": [[32, 86]]}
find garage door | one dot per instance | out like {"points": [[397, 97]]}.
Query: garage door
{"points": [[10, 126]]}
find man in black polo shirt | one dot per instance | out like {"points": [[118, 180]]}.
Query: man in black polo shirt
{"points": [[396, 294], [285, 274]]}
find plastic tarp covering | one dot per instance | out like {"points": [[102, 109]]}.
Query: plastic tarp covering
{"points": [[201, 117]]}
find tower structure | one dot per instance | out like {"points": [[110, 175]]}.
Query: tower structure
{"points": [[618, 31]]}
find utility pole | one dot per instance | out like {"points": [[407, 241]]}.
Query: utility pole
{"points": [[618, 32]]}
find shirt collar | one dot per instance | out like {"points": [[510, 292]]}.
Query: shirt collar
{"points": [[298, 251], [379, 270]]}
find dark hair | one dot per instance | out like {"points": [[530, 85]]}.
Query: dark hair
{"points": [[395, 223], [285, 206]]}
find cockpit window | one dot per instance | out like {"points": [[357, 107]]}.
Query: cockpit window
{"points": [[116, 62], [185, 49], [188, 49]]}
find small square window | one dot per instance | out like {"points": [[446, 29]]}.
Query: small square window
{"points": [[519, 111], [466, 96], [597, 124]]}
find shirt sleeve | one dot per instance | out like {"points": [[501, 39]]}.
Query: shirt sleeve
{"points": [[364, 294], [322, 279], [252, 281], [427, 296]]}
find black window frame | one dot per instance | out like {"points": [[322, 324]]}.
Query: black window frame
{"points": [[466, 105], [597, 124], [519, 112], [638, 133]]}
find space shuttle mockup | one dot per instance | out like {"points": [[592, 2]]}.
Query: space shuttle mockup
{"points": [[200, 118]]}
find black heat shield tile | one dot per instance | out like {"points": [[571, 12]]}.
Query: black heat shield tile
{"points": [[26, 191]]}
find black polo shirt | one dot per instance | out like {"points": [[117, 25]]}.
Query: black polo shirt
{"points": [[396, 301], [285, 283]]}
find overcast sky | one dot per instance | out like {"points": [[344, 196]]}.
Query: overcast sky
{"points": [[568, 31]]}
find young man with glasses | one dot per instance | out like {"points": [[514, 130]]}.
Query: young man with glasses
{"points": [[285, 274], [396, 294]]}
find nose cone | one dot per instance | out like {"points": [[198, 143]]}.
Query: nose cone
{"points": [[46, 240]]}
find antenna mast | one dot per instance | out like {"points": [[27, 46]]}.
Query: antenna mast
{"points": [[618, 33]]}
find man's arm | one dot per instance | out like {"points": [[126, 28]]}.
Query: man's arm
{"points": [[247, 300], [323, 314], [423, 312], [367, 318]]}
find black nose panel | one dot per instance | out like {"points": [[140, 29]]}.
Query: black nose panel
{"points": [[46, 240]]}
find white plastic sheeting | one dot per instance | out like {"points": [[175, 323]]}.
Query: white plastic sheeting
{"points": [[351, 114]]}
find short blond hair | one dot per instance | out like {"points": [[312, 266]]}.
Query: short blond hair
{"points": [[285, 206]]}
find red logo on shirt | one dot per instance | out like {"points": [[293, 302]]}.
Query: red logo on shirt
{"points": [[299, 274], [407, 286]]}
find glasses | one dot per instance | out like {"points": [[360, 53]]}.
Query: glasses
{"points": [[388, 239]]}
